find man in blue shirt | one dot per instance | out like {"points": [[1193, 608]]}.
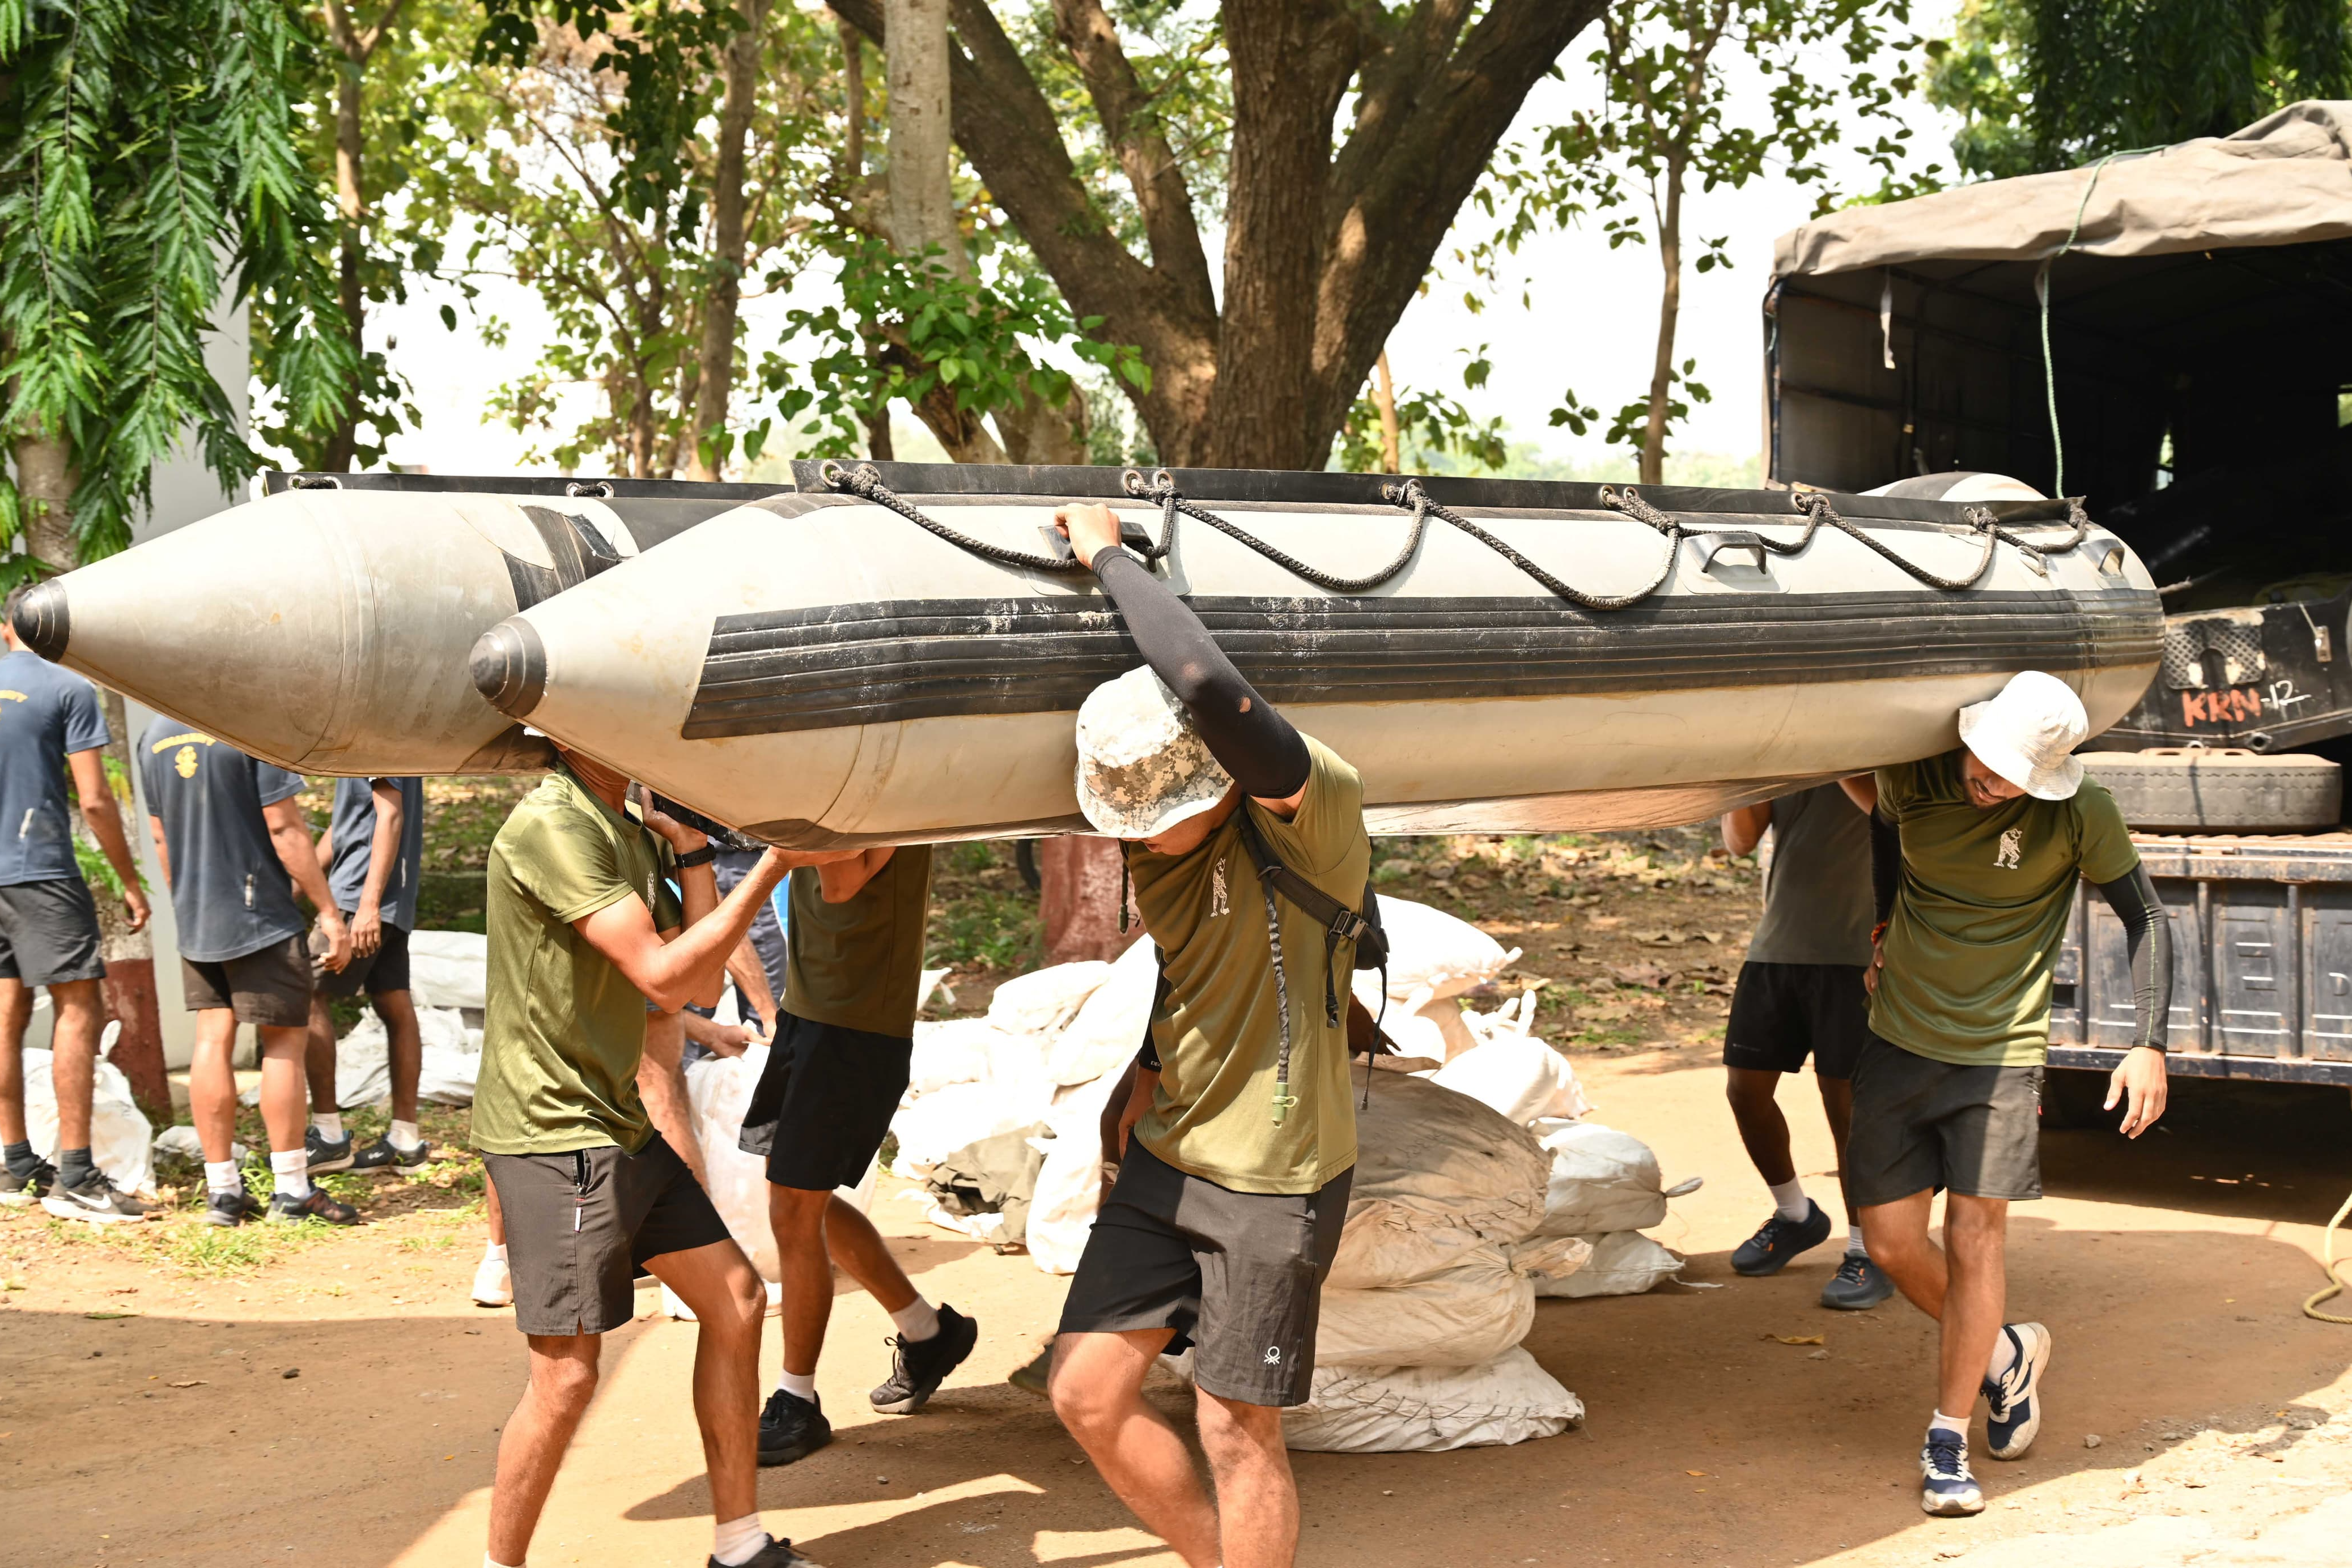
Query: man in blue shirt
{"points": [[50, 726], [374, 853], [229, 832]]}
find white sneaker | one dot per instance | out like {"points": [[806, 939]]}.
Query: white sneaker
{"points": [[493, 1285]]}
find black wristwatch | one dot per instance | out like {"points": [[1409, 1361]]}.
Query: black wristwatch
{"points": [[702, 856]]}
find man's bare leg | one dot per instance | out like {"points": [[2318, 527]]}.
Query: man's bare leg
{"points": [[15, 1016], [797, 1218], [1257, 1496], [73, 1059], [1965, 1289], [854, 1243], [319, 1057], [1756, 1108], [1098, 1392], [285, 1053], [1837, 1105], [212, 1083], [403, 1050], [719, 1286], [531, 1447]]}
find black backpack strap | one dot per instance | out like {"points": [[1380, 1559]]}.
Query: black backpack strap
{"points": [[1340, 923]]}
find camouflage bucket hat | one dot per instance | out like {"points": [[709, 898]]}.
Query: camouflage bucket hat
{"points": [[1142, 767]]}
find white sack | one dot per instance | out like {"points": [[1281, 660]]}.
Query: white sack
{"points": [[1601, 1180], [448, 968], [363, 1064], [1517, 1076], [1429, 1410], [1070, 1186], [1432, 951], [1625, 1264], [446, 1077], [1388, 1243], [1469, 1313], [955, 1051], [1045, 1000], [121, 1139], [718, 1093], [1104, 1036], [1443, 1154], [938, 1125], [183, 1143]]}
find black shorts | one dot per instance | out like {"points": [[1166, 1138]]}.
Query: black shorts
{"points": [[1921, 1124], [49, 932], [579, 1224], [1781, 1013], [270, 987], [385, 969], [1238, 1275], [822, 1106]]}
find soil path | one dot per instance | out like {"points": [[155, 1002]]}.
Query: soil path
{"points": [[344, 1403]]}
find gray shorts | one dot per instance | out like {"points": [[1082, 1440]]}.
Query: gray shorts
{"points": [[1923, 1125], [1238, 1275], [49, 932], [582, 1223], [270, 987]]}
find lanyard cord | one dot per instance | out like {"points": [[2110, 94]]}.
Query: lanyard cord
{"points": [[1283, 1098]]}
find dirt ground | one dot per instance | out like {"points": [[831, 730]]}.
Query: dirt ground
{"points": [[342, 1398]]}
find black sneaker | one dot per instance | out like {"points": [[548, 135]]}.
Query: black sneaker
{"points": [[383, 1155], [1036, 1375], [23, 1191], [917, 1369], [97, 1201], [777, 1554], [1860, 1285], [229, 1209], [326, 1158], [317, 1206], [1777, 1240], [791, 1427]]}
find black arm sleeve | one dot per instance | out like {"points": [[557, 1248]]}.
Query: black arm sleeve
{"points": [[1885, 867], [2148, 936], [1254, 743]]}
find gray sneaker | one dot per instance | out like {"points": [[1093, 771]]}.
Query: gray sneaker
{"points": [[97, 1201], [23, 1191], [1859, 1285], [326, 1158]]}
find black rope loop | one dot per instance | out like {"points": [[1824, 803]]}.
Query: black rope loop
{"points": [[865, 482], [1162, 489], [1410, 494]]}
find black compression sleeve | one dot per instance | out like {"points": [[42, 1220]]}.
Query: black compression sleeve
{"points": [[1242, 730], [2148, 936], [1885, 867]]}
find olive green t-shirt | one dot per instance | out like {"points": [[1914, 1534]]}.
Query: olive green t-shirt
{"points": [[1219, 1033], [565, 1028], [859, 964], [1982, 909]]}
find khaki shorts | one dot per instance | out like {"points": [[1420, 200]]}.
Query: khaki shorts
{"points": [[270, 987]]}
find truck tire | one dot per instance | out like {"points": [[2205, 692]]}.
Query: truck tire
{"points": [[2172, 789]]}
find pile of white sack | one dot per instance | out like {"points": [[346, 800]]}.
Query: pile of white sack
{"points": [[1466, 1204]]}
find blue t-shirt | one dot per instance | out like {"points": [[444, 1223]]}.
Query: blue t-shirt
{"points": [[230, 893], [352, 838], [45, 715]]}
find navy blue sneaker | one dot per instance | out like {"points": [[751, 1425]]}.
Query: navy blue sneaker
{"points": [[326, 1158], [2013, 1400], [1946, 1487], [1859, 1285], [1777, 1240]]}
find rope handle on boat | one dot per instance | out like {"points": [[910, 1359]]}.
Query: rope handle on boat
{"points": [[865, 482], [1161, 488], [1628, 501], [1818, 511]]}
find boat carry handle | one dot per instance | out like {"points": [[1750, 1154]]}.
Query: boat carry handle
{"points": [[1735, 538]]}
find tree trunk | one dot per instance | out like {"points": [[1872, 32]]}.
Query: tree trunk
{"points": [[716, 379], [1079, 881], [351, 149], [1670, 304], [922, 195], [853, 62], [47, 477], [1384, 399]]}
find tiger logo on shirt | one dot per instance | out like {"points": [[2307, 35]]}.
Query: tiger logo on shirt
{"points": [[2011, 852]]}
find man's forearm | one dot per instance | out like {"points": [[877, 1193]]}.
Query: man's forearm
{"points": [[106, 826], [294, 853], [383, 854]]}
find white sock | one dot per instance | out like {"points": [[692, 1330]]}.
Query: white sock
{"points": [[494, 1252], [292, 1169], [2004, 1354], [330, 1124], [405, 1136], [1789, 1198], [917, 1320], [798, 1385], [1943, 1422], [735, 1542], [1854, 1243], [222, 1176], [490, 1561]]}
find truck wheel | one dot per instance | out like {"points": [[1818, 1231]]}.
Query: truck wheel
{"points": [[2174, 789], [2073, 1097]]}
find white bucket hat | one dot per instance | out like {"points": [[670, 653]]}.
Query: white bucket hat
{"points": [[2027, 733], [1142, 767]]}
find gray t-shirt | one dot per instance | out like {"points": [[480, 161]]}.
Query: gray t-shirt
{"points": [[1817, 890], [230, 892], [351, 840], [45, 714]]}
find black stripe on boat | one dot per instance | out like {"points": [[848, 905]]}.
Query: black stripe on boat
{"points": [[829, 665]]}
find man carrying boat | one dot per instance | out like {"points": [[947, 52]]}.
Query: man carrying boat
{"points": [[1975, 854], [1234, 1188], [844, 1046], [584, 931]]}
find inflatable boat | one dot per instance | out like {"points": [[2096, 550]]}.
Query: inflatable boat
{"points": [[325, 627], [894, 652]]}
